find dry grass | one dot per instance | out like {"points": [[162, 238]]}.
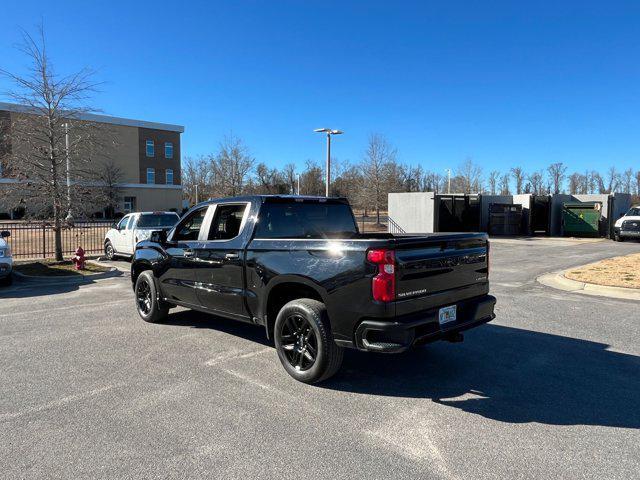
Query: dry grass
{"points": [[45, 268], [613, 272]]}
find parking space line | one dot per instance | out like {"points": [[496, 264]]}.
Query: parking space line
{"points": [[235, 354], [58, 403], [67, 307]]}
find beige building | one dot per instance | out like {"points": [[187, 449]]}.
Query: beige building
{"points": [[146, 154]]}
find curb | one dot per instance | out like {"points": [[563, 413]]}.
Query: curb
{"points": [[112, 273], [558, 281]]}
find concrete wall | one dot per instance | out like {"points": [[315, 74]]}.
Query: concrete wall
{"points": [[414, 212], [411, 212], [524, 199]]}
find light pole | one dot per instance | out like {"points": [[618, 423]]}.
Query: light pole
{"points": [[66, 144], [329, 132], [448, 170]]}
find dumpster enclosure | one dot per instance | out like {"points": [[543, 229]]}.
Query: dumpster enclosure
{"points": [[505, 219]]}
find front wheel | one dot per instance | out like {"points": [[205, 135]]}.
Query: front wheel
{"points": [[109, 251], [304, 342], [148, 304]]}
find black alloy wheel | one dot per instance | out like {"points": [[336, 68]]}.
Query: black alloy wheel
{"points": [[148, 304], [143, 298], [299, 342], [304, 342]]}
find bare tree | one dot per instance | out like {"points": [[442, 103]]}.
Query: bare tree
{"points": [[613, 180], [433, 182], [518, 176], [374, 167], [270, 181], [109, 177], [290, 178], [536, 179], [470, 175], [627, 181], [230, 167], [556, 176], [638, 183], [494, 178], [196, 179], [52, 143], [312, 179], [504, 185]]}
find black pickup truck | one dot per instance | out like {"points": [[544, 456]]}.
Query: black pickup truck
{"points": [[299, 267]]}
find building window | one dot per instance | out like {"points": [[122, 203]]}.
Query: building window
{"points": [[129, 204], [151, 151], [169, 176], [151, 175], [168, 150]]}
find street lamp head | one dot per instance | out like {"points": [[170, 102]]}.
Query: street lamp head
{"points": [[329, 131]]}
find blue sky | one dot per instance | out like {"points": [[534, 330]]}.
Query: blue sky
{"points": [[513, 83]]}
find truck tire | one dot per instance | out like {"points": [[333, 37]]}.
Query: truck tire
{"points": [[304, 342], [109, 251], [148, 304]]}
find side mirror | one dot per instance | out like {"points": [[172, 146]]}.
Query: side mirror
{"points": [[5, 234], [158, 236]]}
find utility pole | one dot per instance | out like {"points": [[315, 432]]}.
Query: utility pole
{"points": [[66, 143], [329, 132], [448, 170], [298, 184]]}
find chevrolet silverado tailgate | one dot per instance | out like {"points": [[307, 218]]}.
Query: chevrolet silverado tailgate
{"points": [[440, 267]]}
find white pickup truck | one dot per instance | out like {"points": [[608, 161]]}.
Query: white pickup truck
{"points": [[121, 240], [6, 262], [628, 226]]}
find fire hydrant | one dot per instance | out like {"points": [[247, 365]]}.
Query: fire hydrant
{"points": [[78, 259]]}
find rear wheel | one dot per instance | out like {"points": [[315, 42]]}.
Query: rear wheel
{"points": [[149, 306], [617, 237], [304, 341], [109, 251]]}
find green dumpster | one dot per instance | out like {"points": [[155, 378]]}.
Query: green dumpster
{"points": [[581, 219]]}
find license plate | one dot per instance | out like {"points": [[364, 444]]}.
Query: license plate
{"points": [[447, 314]]}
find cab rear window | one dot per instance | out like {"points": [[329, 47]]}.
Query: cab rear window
{"points": [[306, 220], [157, 220]]}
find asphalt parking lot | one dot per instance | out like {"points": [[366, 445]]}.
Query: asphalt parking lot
{"points": [[550, 389]]}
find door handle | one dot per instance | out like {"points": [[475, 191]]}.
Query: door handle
{"points": [[187, 252], [232, 256]]}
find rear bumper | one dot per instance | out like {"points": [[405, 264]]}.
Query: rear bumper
{"points": [[398, 336], [630, 233]]}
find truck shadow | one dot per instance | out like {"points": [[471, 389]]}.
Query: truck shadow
{"points": [[510, 375]]}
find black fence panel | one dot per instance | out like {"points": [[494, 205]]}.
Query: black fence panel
{"points": [[37, 239]]}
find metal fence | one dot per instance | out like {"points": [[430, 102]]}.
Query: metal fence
{"points": [[37, 240]]}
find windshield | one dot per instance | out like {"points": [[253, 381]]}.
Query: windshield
{"points": [[306, 220], [633, 212], [157, 220]]}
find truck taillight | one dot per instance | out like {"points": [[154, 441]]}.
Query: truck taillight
{"points": [[383, 285]]}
